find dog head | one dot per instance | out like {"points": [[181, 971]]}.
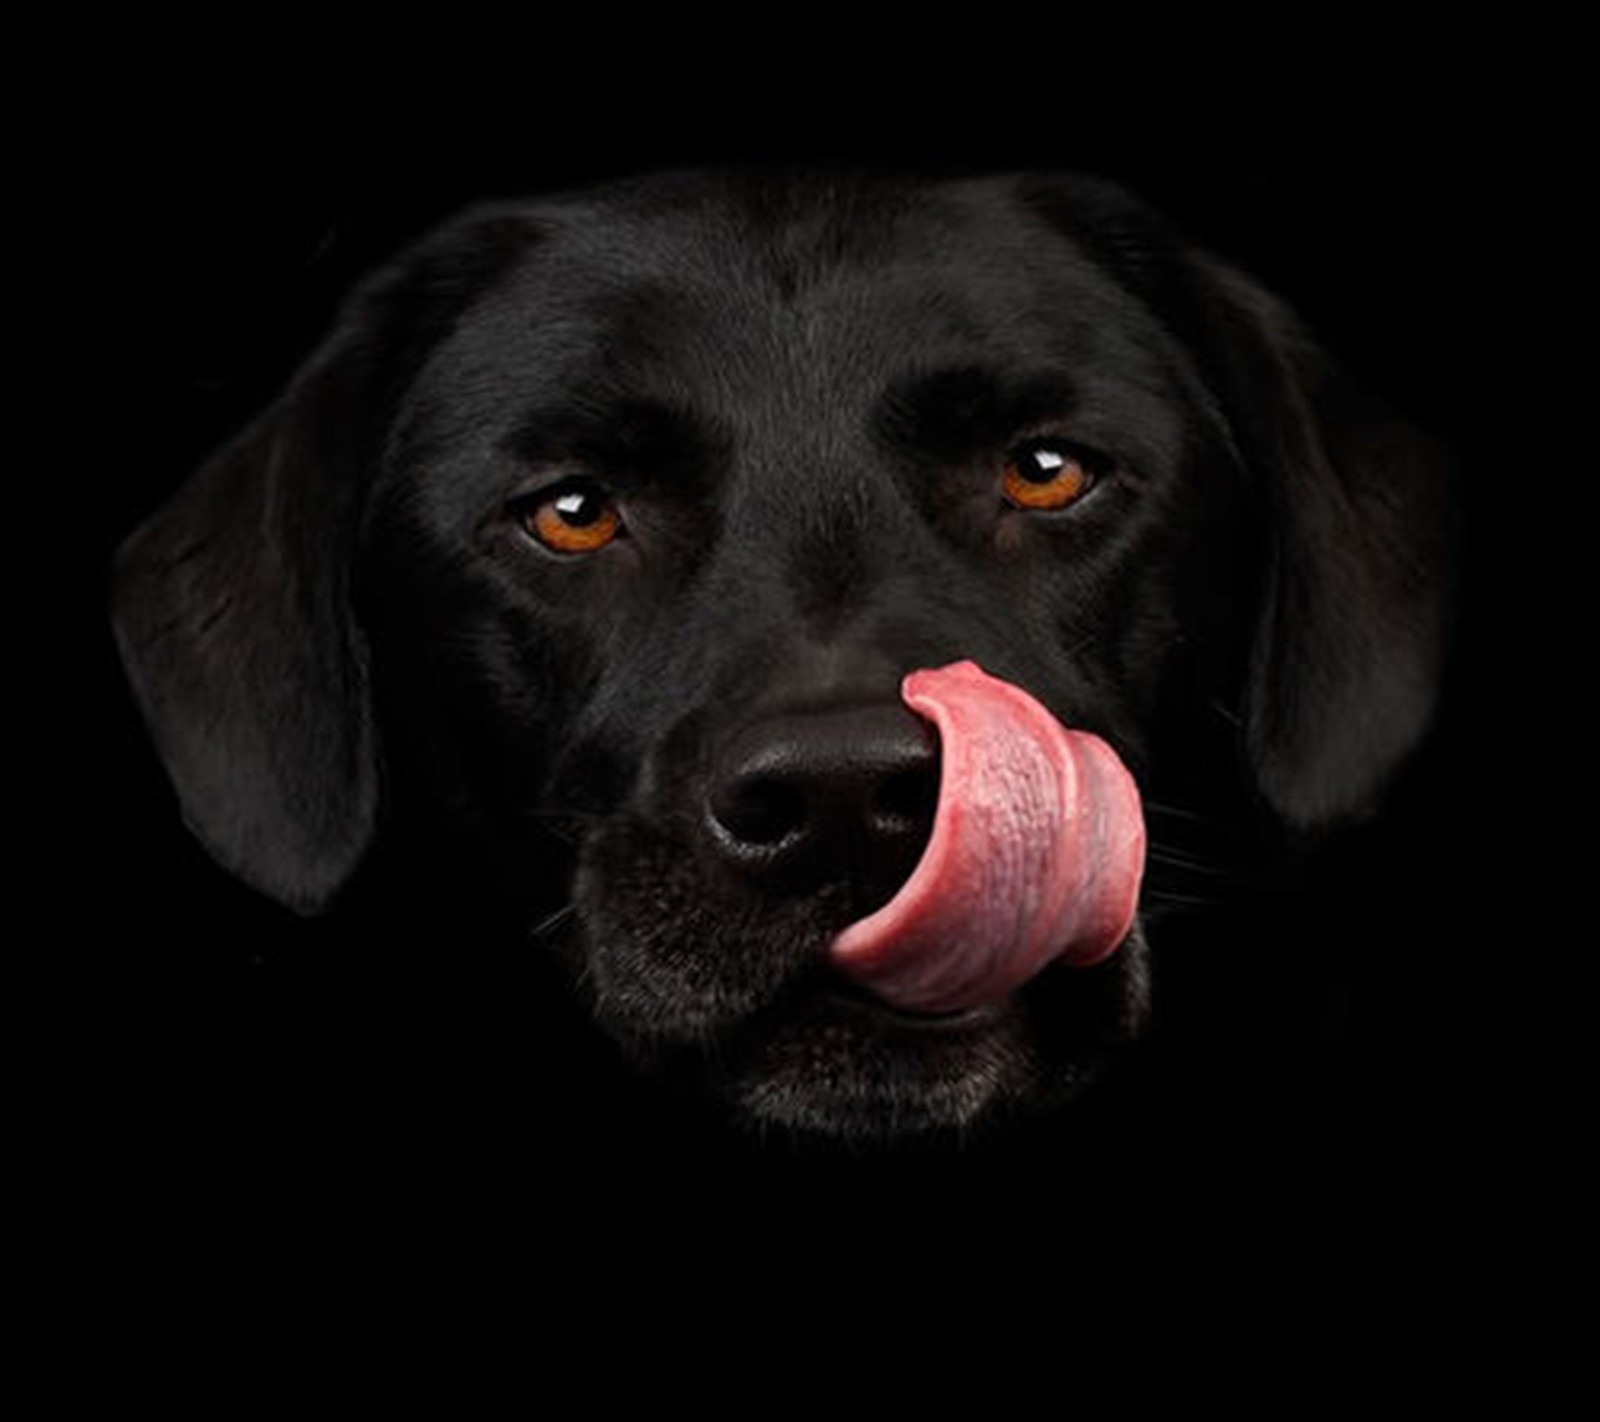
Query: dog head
{"points": [[691, 553]]}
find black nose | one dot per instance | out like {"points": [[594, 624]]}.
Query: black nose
{"points": [[843, 796]]}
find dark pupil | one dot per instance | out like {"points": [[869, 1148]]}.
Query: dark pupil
{"points": [[1040, 466], [579, 507]]}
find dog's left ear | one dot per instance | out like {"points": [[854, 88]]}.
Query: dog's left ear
{"points": [[1360, 526], [1357, 515]]}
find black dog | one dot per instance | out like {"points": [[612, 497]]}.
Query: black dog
{"points": [[601, 535]]}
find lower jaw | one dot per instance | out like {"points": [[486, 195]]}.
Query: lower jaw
{"points": [[847, 1069], [841, 1064], [828, 1063]]}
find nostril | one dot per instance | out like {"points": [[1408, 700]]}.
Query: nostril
{"points": [[760, 811], [907, 800], [841, 797]]}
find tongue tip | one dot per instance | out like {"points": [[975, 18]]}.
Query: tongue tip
{"points": [[965, 673], [969, 926]]}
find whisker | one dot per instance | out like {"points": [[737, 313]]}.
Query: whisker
{"points": [[569, 827], [1085, 642], [583, 817], [1177, 812], [553, 921], [1156, 896], [1174, 859], [1228, 714]]}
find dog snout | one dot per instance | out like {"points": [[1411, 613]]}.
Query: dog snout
{"points": [[844, 796]]}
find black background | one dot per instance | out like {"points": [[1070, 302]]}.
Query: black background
{"points": [[220, 1075]]}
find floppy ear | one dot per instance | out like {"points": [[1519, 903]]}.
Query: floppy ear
{"points": [[1357, 511], [232, 614], [232, 605], [1349, 650]]}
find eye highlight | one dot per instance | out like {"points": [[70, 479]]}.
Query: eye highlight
{"points": [[1046, 474], [576, 516]]}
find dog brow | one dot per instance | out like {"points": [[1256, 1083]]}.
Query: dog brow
{"points": [[949, 412], [633, 439]]}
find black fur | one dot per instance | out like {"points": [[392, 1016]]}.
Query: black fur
{"points": [[798, 389]]}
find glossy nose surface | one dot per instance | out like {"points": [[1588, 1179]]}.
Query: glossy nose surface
{"points": [[839, 796]]}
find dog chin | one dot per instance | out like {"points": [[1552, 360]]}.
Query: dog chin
{"points": [[848, 1070], [829, 1066]]}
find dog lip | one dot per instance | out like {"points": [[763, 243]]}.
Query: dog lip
{"points": [[959, 1020]]}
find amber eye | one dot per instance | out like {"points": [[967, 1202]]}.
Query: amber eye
{"points": [[1045, 474], [574, 517]]}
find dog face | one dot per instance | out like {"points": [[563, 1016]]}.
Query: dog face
{"points": [[606, 531]]}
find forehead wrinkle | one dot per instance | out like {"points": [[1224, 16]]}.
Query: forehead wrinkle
{"points": [[685, 309]]}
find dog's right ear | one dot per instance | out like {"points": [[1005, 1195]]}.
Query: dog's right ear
{"points": [[232, 604], [232, 616]]}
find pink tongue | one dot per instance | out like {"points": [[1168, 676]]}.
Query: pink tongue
{"points": [[1036, 854]]}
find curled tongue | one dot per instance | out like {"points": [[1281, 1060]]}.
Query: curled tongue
{"points": [[1036, 853]]}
